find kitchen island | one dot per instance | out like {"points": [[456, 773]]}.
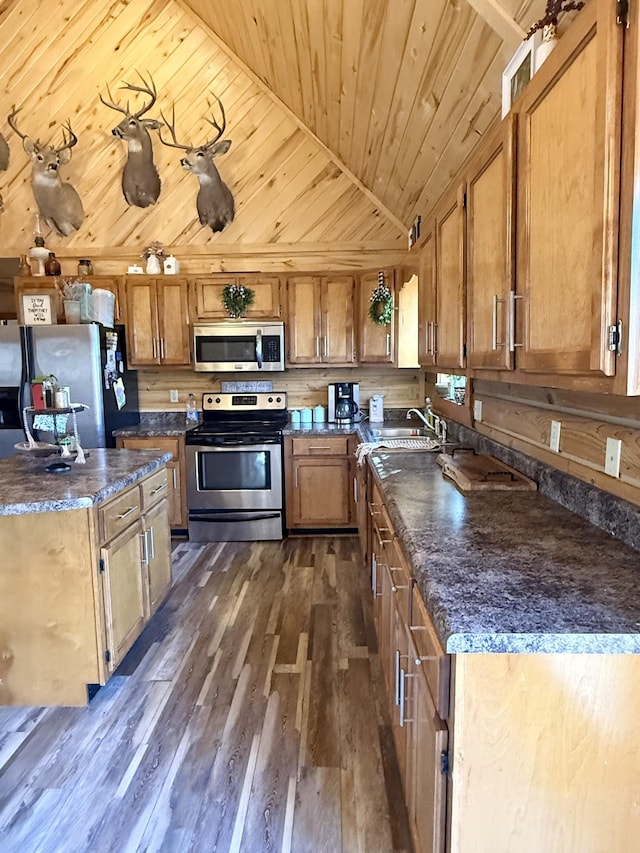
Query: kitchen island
{"points": [[514, 647], [85, 563]]}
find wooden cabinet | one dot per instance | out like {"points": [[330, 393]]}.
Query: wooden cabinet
{"points": [[360, 498], [416, 674], [491, 249], [320, 329], [377, 343], [318, 474], [136, 564], [157, 320], [569, 127], [54, 287], [206, 296], [441, 295], [177, 486], [124, 596]]}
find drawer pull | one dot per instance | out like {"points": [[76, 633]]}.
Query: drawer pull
{"points": [[158, 488], [319, 447], [125, 514]]}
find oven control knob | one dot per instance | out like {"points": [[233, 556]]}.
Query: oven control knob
{"points": [[217, 399], [278, 399], [271, 399], [209, 400]]}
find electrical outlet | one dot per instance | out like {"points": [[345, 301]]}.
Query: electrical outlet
{"points": [[554, 436], [174, 397], [477, 410], [612, 457]]}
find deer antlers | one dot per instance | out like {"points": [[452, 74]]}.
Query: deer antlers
{"points": [[67, 143], [146, 89], [207, 145]]}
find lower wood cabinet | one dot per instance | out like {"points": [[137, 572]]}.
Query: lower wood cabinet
{"points": [[177, 484], [77, 587], [318, 481], [416, 674]]}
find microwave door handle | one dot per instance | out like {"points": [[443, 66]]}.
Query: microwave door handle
{"points": [[259, 348]]}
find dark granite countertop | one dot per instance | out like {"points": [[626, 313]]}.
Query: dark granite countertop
{"points": [[320, 429], [510, 572], [156, 424], [25, 487]]}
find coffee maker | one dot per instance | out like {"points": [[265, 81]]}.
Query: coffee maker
{"points": [[344, 402]]}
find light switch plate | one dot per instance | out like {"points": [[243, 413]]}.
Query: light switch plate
{"points": [[174, 397], [613, 455], [554, 436], [477, 410]]}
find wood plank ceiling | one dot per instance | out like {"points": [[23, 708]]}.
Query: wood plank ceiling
{"points": [[399, 90]]}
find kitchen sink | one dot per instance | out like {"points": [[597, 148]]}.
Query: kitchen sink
{"points": [[397, 432]]}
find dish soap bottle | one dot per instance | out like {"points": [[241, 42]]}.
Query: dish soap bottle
{"points": [[192, 415]]}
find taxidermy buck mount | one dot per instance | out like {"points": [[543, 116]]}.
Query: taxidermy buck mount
{"points": [[4, 162], [215, 203], [58, 202], [140, 178]]}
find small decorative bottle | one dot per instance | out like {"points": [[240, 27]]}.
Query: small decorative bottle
{"points": [[191, 410], [24, 267], [52, 266]]}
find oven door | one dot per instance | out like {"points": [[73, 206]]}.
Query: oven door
{"points": [[234, 476]]}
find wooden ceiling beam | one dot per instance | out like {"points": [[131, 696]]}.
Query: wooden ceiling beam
{"points": [[499, 20]]}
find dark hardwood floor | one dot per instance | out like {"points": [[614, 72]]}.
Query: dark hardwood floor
{"points": [[249, 716]]}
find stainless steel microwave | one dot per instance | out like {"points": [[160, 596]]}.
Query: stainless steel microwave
{"points": [[238, 345]]}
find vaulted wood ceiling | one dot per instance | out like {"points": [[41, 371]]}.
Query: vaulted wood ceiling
{"points": [[398, 90]]}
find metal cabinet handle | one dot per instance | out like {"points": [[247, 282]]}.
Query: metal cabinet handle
{"points": [[145, 549], [175, 479], [401, 698], [326, 346], [317, 347], [434, 350], [158, 488], [512, 320], [125, 513], [388, 352], [152, 539], [355, 490], [154, 348], [396, 674], [162, 352]]}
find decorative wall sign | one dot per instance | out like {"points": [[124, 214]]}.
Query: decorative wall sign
{"points": [[36, 309]]}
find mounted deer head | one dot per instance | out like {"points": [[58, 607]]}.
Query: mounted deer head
{"points": [[215, 202], [59, 203], [140, 179]]}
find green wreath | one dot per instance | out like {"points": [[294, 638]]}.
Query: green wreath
{"points": [[381, 307], [237, 299]]}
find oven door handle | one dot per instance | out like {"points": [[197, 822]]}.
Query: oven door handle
{"points": [[206, 515], [259, 348]]}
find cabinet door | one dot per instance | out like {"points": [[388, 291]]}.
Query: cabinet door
{"points": [[173, 321], [360, 484], [303, 329], [427, 301], [142, 321], [490, 249], [450, 282], [426, 778], [399, 709], [207, 301], [124, 592], [267, 304], [157, 554], [176, 487], [568, 194], [337, 329], [321, 493], [377, 343]]}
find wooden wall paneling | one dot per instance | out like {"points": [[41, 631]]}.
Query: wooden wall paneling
{"points": [[402, 388], [526, 426]]}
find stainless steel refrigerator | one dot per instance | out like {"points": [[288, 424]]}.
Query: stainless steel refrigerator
{"points": [[82, 358]]}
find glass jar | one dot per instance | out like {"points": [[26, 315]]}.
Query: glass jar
{"points": [[52, 266], [85, 267]]}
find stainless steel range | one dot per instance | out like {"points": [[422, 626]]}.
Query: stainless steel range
{"points": [[234, 468]]}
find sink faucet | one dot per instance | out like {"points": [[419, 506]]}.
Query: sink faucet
{"points": [[428, 417]]}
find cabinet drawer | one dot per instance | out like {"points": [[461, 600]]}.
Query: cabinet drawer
{"points": [[436, 664], [320, 445], [154, 488], [117, 514], [165, 444]]}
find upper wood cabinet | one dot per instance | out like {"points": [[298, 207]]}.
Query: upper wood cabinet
{"points": [[441, 280], [427, 298], [206, 296], [320, 327], [377, 343], [569, 132], [54, 286], [157, 320], [490, 249]]}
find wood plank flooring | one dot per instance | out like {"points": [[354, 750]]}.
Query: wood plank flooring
{"points": [[249, 716]]}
